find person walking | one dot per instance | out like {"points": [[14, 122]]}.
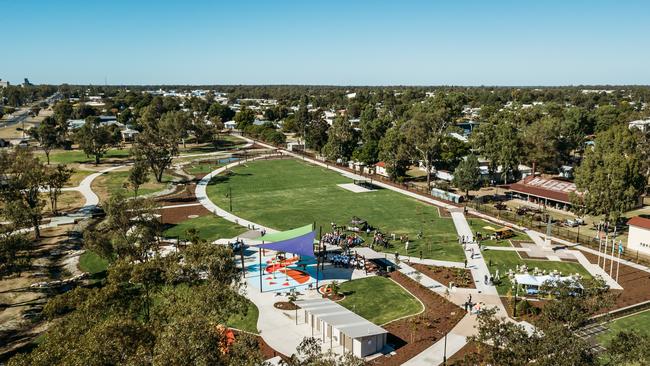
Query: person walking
{"points": [[465, 262]]}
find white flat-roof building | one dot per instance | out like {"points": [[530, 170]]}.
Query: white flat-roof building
{"points": [[638, 238], [339, 326], [643, 125]]}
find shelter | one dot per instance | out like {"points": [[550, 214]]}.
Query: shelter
{"points": [[342, 327], [302, 245], [288, 234], [532, 283]]}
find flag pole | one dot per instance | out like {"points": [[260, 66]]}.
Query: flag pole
{"points": [[618, 264], [600, 244], [611, 264], [605, 249]]}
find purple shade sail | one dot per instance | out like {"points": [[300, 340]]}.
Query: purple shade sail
{"points": [[301, 245]]}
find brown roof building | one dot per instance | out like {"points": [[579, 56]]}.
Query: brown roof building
{"points": [[544, 191]]}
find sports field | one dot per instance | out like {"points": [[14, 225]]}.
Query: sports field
{"points": [[285, 194]]}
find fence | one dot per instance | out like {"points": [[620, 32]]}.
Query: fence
{"points": [[528, 221], [538, 223]]}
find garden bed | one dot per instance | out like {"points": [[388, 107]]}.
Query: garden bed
{"points": [[286, 305], [411, 336], [461, 277]]}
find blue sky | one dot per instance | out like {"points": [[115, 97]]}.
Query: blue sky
{"points": [[354, 42]]}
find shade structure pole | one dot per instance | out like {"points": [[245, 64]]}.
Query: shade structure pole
{"points": [[261, 272]]}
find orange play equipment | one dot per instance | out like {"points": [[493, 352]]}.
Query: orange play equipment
{"points": [[297, 275]]}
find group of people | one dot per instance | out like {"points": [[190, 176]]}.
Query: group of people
{"points": [[347, 261], [342, 239]]}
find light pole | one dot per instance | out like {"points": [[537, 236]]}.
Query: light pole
{"points": [[514, 309], [230, 197]]}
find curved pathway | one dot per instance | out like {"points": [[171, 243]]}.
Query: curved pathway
{"points": [[487, 294]]}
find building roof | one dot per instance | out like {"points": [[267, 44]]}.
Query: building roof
{"points": [[553, 189], [639, 221], [347, 322]]}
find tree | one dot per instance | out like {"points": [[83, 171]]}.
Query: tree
{"points": [[553, 341], [545, 145], [138, 175], [57, 177], [245, 117], [48, 136], [467, 175], [499, 142], [342, 140], [12, 248], [23, 176], [158, 144], [221, 111], [95, 139], [316, 137], [427, 127], [610, 178], [629, 347], [309, 353], [393, 151], [133, 317]]}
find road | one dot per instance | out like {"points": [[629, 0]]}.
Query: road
{"points": [[22, 113]]}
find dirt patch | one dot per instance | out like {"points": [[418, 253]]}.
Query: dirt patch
{"points": [[444, 212], [635, 283], [413, 335], [183, 195], [465, 355], [266, 350], [286, 305], [461, 277], [49, 262]]}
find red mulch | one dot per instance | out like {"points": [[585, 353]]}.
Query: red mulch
{"points": [[462, 356], [413, 335], [183, 195], [635, 282], [265, 349], [286, 305], [445, 275]]}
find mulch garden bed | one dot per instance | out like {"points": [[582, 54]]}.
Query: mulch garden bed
{"points": [[635, 283], [286, 305], [265, 349], [328, 295], [413, 335], [183, 195], [445, 275]]}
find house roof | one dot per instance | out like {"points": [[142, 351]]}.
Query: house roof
{"points": [[553, 189], [639, 221], [381, 164], [349, 323]]}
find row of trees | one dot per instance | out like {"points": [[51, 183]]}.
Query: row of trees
{"points": [[554, 340]]}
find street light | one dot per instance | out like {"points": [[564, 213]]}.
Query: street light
{"points": [[514, 309], [444, 357]]}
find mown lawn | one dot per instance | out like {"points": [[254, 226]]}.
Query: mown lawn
{"points": [[209, 227], [477, 225], [285, 194], [378, 299], [505, 260], [246, 322], [639, 322], [78, 156], [112, 182], [92, 263]]}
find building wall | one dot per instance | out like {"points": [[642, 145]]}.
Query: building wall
{"points": [[639, 239], [369, 345]]}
